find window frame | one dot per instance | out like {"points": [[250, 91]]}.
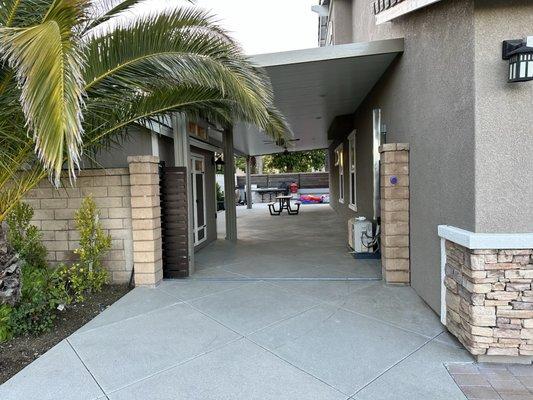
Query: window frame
{"points": [[352, 170]]}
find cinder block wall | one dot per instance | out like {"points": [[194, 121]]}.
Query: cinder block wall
{"points": [[55, 209]]}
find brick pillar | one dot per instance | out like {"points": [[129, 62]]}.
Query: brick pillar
{"points": [[395, 212], [146, 220]]}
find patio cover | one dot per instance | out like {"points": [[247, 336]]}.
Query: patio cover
{"points": [[313, 86]]}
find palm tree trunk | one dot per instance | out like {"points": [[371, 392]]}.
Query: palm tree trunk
{"points": [[9, 270]]}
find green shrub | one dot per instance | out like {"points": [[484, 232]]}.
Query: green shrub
{"points": [[220, 193], [88, 275], [25, 238], [40, 296], [5, 322], [37, 308], [44, 289]]}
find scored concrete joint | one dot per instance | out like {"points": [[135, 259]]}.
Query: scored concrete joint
{"points": [[146, 220], [395, 259]]}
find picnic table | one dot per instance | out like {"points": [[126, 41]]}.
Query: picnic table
{"points": [[284, 204], [263, 192], [270, 191]]}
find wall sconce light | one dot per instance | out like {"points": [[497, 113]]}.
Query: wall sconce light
{"points": [[219, 163], [520, 55]]}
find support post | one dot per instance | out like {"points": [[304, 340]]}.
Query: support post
{"points": [[182, 158], [259, 165], [229, 185], [248, 182], [155, 144]]}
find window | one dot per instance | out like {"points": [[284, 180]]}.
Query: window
{"points": [[351, 170], [339, 162], [197, 130]]}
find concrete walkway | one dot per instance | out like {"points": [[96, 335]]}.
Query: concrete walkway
{"points": [[234, 332]]}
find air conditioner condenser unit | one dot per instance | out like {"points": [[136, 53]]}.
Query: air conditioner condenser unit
{"points": [[360, 235]]}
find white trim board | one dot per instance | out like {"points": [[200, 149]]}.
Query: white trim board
{"points": [[402, 8], [327, 53], [486, 241], [442, 277]]}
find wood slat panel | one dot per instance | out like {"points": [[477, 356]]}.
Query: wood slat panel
{"points": [[174, 222]]}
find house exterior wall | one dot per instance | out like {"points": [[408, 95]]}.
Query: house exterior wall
{"points": [[504, 122], [426, 98], [166, 150], [138, 142], [340, 18]]}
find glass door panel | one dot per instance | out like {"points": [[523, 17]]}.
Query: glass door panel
{"points": [[198, 199]]}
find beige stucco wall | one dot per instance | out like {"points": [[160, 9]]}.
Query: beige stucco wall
{"points": [[55, 209], [504, 121], [341, 18], [471, 133], [426, 98], [137, 141]]}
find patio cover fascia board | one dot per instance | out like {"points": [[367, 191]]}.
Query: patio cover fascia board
{"points": [[328, 53], [313, 86]]}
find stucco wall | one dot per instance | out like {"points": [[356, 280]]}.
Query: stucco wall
{"points": [[364, 176], [166, 150], [504, 121], [426, 98], [341, 208], [136, 142], [341, 18]]}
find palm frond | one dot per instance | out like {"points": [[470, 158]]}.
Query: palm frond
{"points": [[16, 189], [105, 120], [134, 69], [177, 47], [104, 10], [47, 63], [23, 13]]}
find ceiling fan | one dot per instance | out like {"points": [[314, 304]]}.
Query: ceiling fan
{"points": [[280, 142]]}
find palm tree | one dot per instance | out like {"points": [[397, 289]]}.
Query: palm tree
{"points": [[76, 73]]}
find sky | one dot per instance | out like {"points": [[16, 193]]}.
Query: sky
{"points": [[265, 26]]}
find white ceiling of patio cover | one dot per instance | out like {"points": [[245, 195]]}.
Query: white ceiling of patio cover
{"points": [[313, 86]]}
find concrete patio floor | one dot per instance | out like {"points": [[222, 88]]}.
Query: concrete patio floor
{"points": [[232, 331]]}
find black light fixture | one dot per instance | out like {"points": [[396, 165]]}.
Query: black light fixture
{"points": [[219, 163], [520, 55]]}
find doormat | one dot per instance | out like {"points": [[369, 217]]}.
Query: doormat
{"points": [[367, 256]]}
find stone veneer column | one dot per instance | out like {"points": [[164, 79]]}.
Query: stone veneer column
{"points": [[395, 212], [489, 301], [146, 220]]}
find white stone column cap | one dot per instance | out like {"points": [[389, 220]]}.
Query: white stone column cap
{"points": [[486, 241]]}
